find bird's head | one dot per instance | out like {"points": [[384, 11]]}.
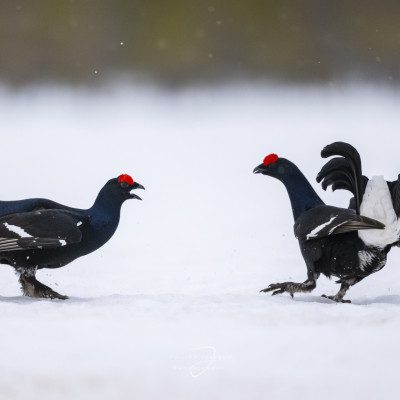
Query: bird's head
{"points": [[274, 166], [126, 185], [121, 188]]}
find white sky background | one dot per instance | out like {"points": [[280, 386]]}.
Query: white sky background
{"points": [[183, 271]]}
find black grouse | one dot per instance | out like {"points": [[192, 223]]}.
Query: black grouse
{"points": [[375, 198], [328, 236], [40, 233]]}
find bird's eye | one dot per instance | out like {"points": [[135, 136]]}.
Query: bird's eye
{"points": [[124, 184]]}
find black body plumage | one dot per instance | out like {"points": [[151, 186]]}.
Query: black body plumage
{"points": [[327, 235], [40, 233]]}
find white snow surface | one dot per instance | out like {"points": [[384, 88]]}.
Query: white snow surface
{"points": [[377, 204], [170, 308]]}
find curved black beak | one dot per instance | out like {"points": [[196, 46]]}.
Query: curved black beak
{"points": [[136, 186], [259, 169]]}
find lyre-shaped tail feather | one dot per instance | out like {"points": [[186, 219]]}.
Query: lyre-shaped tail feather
{"points": [[344, 172], [338, 173], [343, 149]]}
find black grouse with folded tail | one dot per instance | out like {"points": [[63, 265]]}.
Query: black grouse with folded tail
{"points": [[40, 233], [328, 236]]}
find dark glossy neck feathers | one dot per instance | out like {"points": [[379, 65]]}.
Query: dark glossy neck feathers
{"points": [[302, 195]]}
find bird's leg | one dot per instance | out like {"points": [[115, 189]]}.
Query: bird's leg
{"points": [[338, 297], [291, 287], [33, 288]]}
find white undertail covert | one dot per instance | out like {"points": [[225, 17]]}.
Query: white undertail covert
{"points": [[377, 204]]}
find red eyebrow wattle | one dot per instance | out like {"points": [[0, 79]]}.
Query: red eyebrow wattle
{"points": [[270, 159], [125, 178]]}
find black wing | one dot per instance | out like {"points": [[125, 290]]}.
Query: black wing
{"points": [[327, 220], [29, 205], [39, 230]]}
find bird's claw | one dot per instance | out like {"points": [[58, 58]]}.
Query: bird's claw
{"points": [[336, 298], [279, 288], [51, 294], [31, 287]]}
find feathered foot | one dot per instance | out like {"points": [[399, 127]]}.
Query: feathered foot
{"points": [[33, 288], [338, 297], [290, 287]]}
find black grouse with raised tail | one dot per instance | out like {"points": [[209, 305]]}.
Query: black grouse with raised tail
{"points": [[328, 236], [375, 198], [40, 233]]}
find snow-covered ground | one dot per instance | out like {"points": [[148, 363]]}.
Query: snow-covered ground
{"points": [[170, 308]]}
